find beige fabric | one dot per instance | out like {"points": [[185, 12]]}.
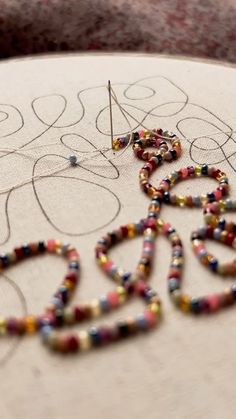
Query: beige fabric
{"points": [[186, 367]]}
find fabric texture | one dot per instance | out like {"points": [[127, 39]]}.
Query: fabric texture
{"points": [[52, 107]]}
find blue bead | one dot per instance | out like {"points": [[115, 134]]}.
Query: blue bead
{"points": [[73, 160], [56, 302], [94, 334], [213, 265], [126, 276], [173, 284], [104, 303], [46, 330], [195, 306], [221, 224], [217, 233], [142, 322]]}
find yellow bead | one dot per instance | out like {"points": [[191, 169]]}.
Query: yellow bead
{"points": [[30, 324], [141, 267], [122, 294], [203, 199], [176, 296], [223, 235], [103, 259], [84, 340], [185, 303], [222, 205], [154, 308], [53, 339], [131, 231], [70, 285], [198, 170], [2, 326], [69, 316], [211, 219], [180, 199], [160, 223], [148, 232], [95, 308]]}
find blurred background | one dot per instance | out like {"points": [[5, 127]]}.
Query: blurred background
{"points": [[199, 28]]}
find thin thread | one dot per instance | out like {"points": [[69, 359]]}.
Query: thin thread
{"points": [[96, 152]]}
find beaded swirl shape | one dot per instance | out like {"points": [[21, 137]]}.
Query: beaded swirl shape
{"points": [[131, 284]]}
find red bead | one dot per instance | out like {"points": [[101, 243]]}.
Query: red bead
{"points": [[19, 252], [73, 343], [79, 313]]}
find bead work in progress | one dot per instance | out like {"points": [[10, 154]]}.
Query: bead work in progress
{"points": [[165, 147]]}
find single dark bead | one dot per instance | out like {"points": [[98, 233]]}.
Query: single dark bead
{"points": [[26, 250], [95, 336], [126, 276], [73, 344], [58, 318], [63, 294], [113, 238], [41, 247], [129, 288], [213, 265], [123, 329], [221, 225], [79, 313], [234, 291], [159, 158], [174, 154], [124, 230], [167, 180], [204, 169], [211, 197], [196, 236], [195, 306], [12, 326], [205, 305], [166, 197], [135, 136], [74, 265], [4, 260], [19, 253]]}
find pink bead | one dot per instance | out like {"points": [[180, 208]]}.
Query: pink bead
{"points": [[51, 245], [148, 246], [140, 287], [73, 254], [213, 301], [218, 194], [107, 266], [166, 227], [113, 299], [184, 172], [151, 318]]}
